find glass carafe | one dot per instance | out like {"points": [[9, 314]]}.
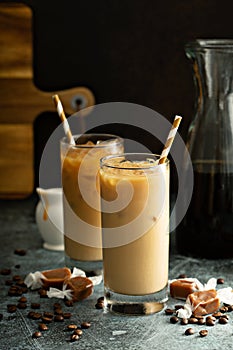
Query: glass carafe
{"points": [[207, 229]]}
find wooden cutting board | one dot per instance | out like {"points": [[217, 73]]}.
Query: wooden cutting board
{"points": [[21, 102]]}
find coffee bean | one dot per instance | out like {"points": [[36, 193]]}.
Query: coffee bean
{"points": [[43, 327], [58, 318], [78, 331], [35, 305], [58, 311], [67, 315], [46, 319], [21, 283], [169, 311], [9, 282], [211, 318], [72, 327], [189, 331], [85, 325], [1, 317], [5, 272], [30, 314], [74, 337], [36, 334], [23, 300], [56, 306], [36, 316], [223, 320], [201, 321], [24, 290], [100, 299], [210, 322], [17, 278], [17, 266], [182, 275], [184, 321], [193, 320], [20, 252], [174, 319], [11, 308], [48, 314], [225, 316], [203, 333], [220, 281], [223, 309], [217, 314], [22, 306], [177, 307], [230, 308], [43, 293], [69, 303]]}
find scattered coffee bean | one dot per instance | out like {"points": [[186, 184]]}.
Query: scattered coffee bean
{"points": [[223, 320], [58, 318], [21, 306], [174, 319], [21, 283], [100, 299], [189, 331], [56, 306], [36, 334], [17, 278], [46, 319], [23, 300], [5, 272], [230, 308], [225, 316], [177, 307], [69, 303], [43, 293], [48, 314], [78, 331], [9, 282], [210, 322], [58, 311], [223, 309], [11, 308], [15, 291], [1, 317], [220, 281], [217, 314], [20, 252], [193, 320], [30, 314], [35, 305], [43, 327], [184, 321], [212, 318], [203, 333], [67, 315], [182, 275], [74, 337], [169, 311], [24, 290], [71, 327], [85, 325], [201, 321], [36, 315], [17, 266]]}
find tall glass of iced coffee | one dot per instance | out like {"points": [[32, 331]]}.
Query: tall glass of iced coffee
{"points": [[81, 198], [135, 232]]}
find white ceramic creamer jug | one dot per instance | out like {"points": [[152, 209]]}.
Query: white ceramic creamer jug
{"points": [[49, 218]]}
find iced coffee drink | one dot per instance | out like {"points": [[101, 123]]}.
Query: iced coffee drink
{"points": [[135, 229], [81, 198]]}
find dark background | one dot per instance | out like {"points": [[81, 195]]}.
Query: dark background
{"points": [[123, 50]]}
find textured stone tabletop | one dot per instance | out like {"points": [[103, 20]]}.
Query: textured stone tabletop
{"points": [[19, 231]]}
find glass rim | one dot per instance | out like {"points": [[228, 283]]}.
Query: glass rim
{"points": [[146, 155], [64, 140], [225, 45]]}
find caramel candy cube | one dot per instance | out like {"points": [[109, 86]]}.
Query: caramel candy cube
{"points": [[55, 278], [204, 302], [82, 287], [181, 288]]}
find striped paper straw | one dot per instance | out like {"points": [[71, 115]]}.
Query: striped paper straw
{"points": [[170, 139], [61, 114]]}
